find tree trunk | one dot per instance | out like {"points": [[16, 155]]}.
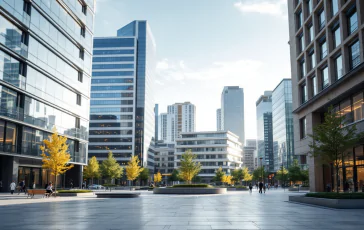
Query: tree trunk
{"points": [[55, 186], [337, 179]]}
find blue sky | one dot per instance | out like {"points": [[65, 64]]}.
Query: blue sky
{"points": [[204, 45]]}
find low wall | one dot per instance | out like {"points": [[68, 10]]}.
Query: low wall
{"points": [[330, 203], [237, 189], [76, 194], [189, 191], [117, 195]]}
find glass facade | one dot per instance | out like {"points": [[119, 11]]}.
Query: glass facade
{"points": [[45, 68], [282, 125], [122, 106], [265, 131]]}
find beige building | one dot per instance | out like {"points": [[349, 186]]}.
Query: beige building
{"points": [[326, 42]]}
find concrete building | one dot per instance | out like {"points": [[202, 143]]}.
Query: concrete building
{"points": [[164, 159], [156, 120], [282, 125], [213, 150], [326, 43], [232, 111], [265, 132], [248, 154], [162, 126], [45, 69], [218, 120], [122, 106]]}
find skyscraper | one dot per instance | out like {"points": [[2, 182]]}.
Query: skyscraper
{"points": [[122, 106], [156, 120], [162, 126], [327, 70], [282, 124], [218, 120], [232, 111], [45, 69], [265, 131]]}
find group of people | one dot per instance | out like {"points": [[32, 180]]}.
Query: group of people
{"points": [[262, 187], [22, 187]]}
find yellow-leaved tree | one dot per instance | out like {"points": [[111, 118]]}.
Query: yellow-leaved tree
{"points": [[188, 168], [55, 156], [92, 170], [157, 177], [133, 169], [226, 179]]}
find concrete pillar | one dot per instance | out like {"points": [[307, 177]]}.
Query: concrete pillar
{"points": [[9, 167]]}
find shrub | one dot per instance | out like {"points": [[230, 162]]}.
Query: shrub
{"points": [[74, 191], [192, 186], [333, 195]]}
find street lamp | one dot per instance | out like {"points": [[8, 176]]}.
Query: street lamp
{"points": [[261, 167]]}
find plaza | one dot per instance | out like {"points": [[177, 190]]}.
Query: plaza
{"points": [[234, 210]]}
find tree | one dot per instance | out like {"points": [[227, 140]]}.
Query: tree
{"points": [[238, 175], [258, 173], [133, 169], [282, 174], [189, 168], [144, 175], [54, 155], [157, 177], [196, 179], [110, 168], [218, 175], [305, 177], [174, 176], [92, 170], [332, 139], [294, 172], [227, 179], [247, 176]]}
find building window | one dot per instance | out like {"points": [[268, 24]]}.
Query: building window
{"points": [[354, 55], [339, 67], [325, 77], [78, 123], [345, 111], [84, 9], [302, 68], [337, 36], [83, 31], [358, 107], [309, 7], [82, 54], [27, 7], [304, 93], [353, 21], [335, 7], [323, 48], [314, 86], [78, 100], [80, 77], [301, 43], [312, 59], [299, 17], [303, 127], [321, 19], [311, 33]]}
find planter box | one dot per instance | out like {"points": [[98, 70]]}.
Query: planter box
{"points": [[76, 194], [189, 190], [330, 203]]}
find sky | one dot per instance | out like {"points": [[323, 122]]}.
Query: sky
{"points": [[204, 45]]}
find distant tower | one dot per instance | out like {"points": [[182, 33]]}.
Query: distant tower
{"points": [[218, 120]]}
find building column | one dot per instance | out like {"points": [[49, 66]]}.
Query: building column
{"points": [[9, 166]]}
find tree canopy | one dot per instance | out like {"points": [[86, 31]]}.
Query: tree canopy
{"points": [[157, 177], [189, 168], [110, 168], [133, 169], [92, 170], [219, 173]]}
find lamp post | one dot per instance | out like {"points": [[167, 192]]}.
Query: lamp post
{"points": [[261, 167]]}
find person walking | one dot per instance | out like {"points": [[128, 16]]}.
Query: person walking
{"points": [[250, 187], [24, 188], [261, 187], [33, 185], [12, 187], [21, 183], [49, 190]]}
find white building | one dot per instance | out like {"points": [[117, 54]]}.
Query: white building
{"points": [[249, 151], [164, 158], [162, 127], [218, 120], [213, 150]]}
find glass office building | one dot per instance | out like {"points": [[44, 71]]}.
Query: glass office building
{"points": [[265, 132], [122, 107], [45, 69], [282, 124]]}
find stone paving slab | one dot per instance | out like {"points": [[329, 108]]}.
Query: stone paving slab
{"points": [[234, 210]]}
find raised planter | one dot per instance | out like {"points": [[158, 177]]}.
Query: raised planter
{"points": [[117, 195], [75, 194], [293, 189], [305, 188], [330, 203], [237, 189], [187, 190]]}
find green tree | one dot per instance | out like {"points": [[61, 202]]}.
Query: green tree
{"points": [[219, 173], [240, 174], [305, 177], [189, 168], [258, 173], [174, 176], [144, 175], [294, 172], [332, 139], [110, 168], [282, 174], [196, 179], [92, 170]]}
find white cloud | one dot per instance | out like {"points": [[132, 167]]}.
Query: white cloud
{"points": [[162, 65], [182, 64], [270, 7]]}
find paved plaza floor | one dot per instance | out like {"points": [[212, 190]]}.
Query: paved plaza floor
{"points": [[235, 210]]}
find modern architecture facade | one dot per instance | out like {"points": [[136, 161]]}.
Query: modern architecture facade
{"points": [[122, 115], [156, 120], [249, 154], [326, 43], [162, 126], [164, 158], [283, 148], [232, 111], [218, 120], [45, 69], [213, 150], [265, 132]]}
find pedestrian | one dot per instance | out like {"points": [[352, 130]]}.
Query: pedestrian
{"points": [[250, 187], [12, 187], [261, 187], [49, 189], [256, 186], [33, 185], [84, 184], [21, 184], [24, 188]]}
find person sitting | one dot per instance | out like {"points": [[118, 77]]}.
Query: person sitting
{"points": [[49, 190]]}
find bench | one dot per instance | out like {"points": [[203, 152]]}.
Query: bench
{"points": [[32, 192]]}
